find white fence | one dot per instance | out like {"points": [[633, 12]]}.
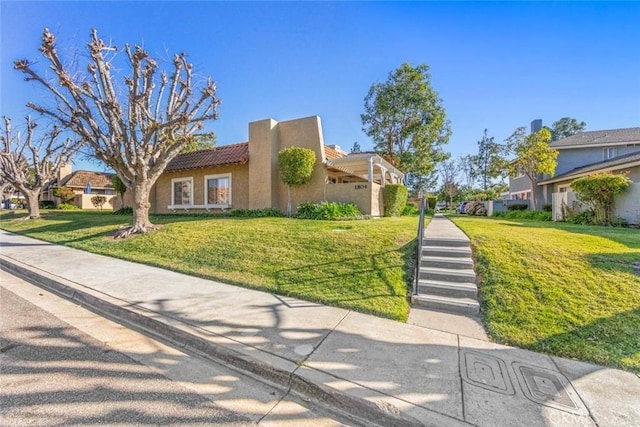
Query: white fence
{"points": [[627, 204]]}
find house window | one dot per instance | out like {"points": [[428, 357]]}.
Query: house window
{"points": [[610, 153], [218, 190], [182, 191]]}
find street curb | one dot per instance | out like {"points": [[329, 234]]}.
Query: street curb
{"points": [[358, 409]]}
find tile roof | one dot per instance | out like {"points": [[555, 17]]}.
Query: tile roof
{"points": [[622, 161], [599, 137], [222, 155], [332, 153], [82, 178]]}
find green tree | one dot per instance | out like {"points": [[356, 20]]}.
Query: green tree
{"points": [[134, 123], [406, 120], [203, 141], [533, 156], [296, 168], [356, 148], [490, 162], [565, 127], [119, 187], [599, 190], [65, 194]]}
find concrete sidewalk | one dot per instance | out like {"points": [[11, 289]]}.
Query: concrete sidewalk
{"points": [[380, 371]]}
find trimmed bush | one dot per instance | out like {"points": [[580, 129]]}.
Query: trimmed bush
{"points": [[327, 211], [533, 215], [67, 207], [124, 211], [518, 207], [256, 213], [394, 198], [47, 204]]}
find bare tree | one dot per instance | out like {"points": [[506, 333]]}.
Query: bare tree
{"points": [[136, 131], [30, 164]]}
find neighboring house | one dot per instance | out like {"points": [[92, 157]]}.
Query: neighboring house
{"points": [[614, 150], [625, 141], [85, 185], [246, 176]]}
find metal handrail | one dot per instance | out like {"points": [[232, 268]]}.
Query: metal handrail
{"points": [[419, 245]]}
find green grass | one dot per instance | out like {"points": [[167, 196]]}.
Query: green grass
{"points": [[360, 265], [563, 289]]}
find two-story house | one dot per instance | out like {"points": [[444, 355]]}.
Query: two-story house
{"points": [[613, 150]]}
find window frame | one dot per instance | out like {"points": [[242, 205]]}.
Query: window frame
{"points": [[188, 179], [206, 191], [606, 153]]}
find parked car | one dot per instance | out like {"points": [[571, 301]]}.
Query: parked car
{"points": [[461, 209]]}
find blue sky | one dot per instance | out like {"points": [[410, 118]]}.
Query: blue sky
{"points": [[495, 65]]}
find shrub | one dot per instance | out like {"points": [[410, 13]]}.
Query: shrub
{"points": [[327, 211], [98, 201], [431, 202], [475, 208], [256, 213], [599, 190], [547, 208], [394, 198], [518, 207], [47, 204], [533, 215], [124, 211], [410, 210], [587, 217], [67, 207]]}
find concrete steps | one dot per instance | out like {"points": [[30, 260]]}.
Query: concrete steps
{"points": [[447, 281]]}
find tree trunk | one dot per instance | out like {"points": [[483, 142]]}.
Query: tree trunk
{"points": [[533, 195], [141, 224], [33, 204]]}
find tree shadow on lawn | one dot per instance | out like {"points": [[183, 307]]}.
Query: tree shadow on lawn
{"points": [[351, 276], [610, 341]]}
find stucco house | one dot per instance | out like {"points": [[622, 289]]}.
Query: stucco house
{"points": [[85, 184], [245, 175], [613, 150]]}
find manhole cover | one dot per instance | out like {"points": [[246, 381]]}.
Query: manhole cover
{"points": [[549, 388], [485, 371]]}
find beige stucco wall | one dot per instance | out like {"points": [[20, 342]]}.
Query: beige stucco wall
{"points": [[83, 201], [363, 194], [266, 139], [161, 198]]}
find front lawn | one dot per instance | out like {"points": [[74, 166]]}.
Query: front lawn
{"points": [[360, 265], [563, 289]]}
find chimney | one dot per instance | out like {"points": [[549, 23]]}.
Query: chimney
{"points": [[536, 125], [65, 171]]}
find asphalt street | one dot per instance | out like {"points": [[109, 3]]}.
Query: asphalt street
{"points": [[54, 374]]}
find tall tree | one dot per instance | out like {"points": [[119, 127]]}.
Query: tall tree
{"points": [[30, 164], [490, 162], [565, 127], [136, 129], [466, 168], [533, 156], [356, 148], [448, 172], [406, 120]]}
